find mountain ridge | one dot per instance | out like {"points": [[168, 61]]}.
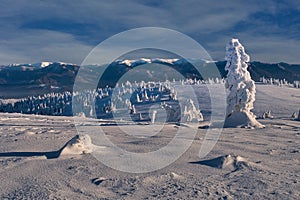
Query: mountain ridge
{"points": [[18, 80]]}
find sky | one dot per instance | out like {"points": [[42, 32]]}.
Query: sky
{"points": [[32, 31]]}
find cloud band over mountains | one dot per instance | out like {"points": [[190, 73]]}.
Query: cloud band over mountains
{"points": [[34, 31]]}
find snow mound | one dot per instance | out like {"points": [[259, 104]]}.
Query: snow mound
{"points": [[80, 144], [228, 162], [162, 178], [242, 119], [173, 175]]}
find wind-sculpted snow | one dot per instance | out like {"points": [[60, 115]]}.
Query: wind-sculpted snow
{"points": [[263, 163], [241, 87], [239, 82]]}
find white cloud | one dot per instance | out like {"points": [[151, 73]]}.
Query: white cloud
{"points": [[71, 28]]}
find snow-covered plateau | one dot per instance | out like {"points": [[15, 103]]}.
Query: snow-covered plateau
{"points": [[244, 164]]}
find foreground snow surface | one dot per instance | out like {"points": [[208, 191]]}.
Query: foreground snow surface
{"points": [[244, 164]]}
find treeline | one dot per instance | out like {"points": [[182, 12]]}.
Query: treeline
{"points": [[279, 82]]}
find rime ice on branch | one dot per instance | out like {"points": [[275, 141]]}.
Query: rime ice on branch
{"points": [[241, 87]]}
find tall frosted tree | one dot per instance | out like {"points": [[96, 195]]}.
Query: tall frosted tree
{"points": [[241, 87]]}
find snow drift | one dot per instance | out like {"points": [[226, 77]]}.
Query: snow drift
{"points": [[80, 144], [231, 162]]}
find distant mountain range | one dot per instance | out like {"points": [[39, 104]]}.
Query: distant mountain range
{"points": [[21, 80]]}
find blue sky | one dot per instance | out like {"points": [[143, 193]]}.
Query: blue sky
{"points": [[38, 30]]}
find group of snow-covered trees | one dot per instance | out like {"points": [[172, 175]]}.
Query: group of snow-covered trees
{"points": [[131, 98], [296, 84], [279, 82], [47, 104]]}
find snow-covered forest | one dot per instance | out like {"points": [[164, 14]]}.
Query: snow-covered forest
{"points": [[125, 97], [132, 98]]}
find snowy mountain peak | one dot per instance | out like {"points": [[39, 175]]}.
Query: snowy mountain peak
{"points": [[34, 66], [169, 61], [42, 64], [131, 63], [141, 61], [165, 60]]}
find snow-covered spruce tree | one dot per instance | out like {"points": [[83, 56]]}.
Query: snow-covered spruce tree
{"points": [[191, 113], [241, 88]]}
